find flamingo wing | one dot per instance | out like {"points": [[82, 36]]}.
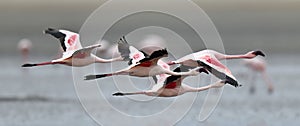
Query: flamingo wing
{"points": [[155, 56], [174, 81], [69, 40], [84, 52], [130, 53], [123, 48], [161, 77], [215, 67], [135, 55]]}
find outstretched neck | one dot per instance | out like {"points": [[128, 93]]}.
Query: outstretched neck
{"points": [[192, 89], [237, 56], [100, 60]]}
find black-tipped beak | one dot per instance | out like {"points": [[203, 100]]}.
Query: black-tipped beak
{"points": [[118, 94], [203, 70], [259, 53]]}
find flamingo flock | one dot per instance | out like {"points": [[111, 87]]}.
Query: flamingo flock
{"points": [[168, 83]]}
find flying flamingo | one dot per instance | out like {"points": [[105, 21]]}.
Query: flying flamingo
{"points": [[209, 59], [259, 65], [172, 85], [141, 64], [24, 46], [74, 54]]}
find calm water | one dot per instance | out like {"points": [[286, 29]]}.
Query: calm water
{"points": [[46, 96]]}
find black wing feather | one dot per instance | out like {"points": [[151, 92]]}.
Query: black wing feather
{"points": [[59, 35], [156, 54], [123, 48]]}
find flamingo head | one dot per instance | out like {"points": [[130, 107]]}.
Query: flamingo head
{"points": [[253, 54], [256, 53]]}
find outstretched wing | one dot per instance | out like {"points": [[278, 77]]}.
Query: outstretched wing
{"points": [[174, 81], [161, 77], [69, 40], [135, 55], [217, 68], [155, 56], [123, 48], [129, 52], [84, 52]]}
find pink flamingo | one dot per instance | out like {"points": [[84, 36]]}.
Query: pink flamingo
{"points": [[24, 46], [259, 65], [210, 60], [74, 54], [172, 85], [141, 64]]}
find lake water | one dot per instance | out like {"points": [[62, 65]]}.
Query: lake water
{"points": [[46, 96]]}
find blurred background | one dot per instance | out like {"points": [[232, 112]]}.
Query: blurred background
{"points": [[46, 95]]}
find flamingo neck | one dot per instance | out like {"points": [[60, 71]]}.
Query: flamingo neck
{"points": [[193, 89], [237, 56], [100, 60]]}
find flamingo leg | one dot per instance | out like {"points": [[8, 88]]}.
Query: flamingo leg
{"points": [[41, 64], [128, 93], [268, 82], [252, 80], [92, 77], [214, 85]]}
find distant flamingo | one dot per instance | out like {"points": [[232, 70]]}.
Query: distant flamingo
{"points": [[172, 85], [24, 46], [259, 65], [210, 59], [141, 64], [74, 54]]}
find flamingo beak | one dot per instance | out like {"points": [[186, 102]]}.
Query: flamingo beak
{"points": [[259, 53]]}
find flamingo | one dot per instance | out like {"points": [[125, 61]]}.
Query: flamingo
{"points": [[259, 65], [172, 85], [24, 46], [141, 64], [74, 54], [210, 60]]}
